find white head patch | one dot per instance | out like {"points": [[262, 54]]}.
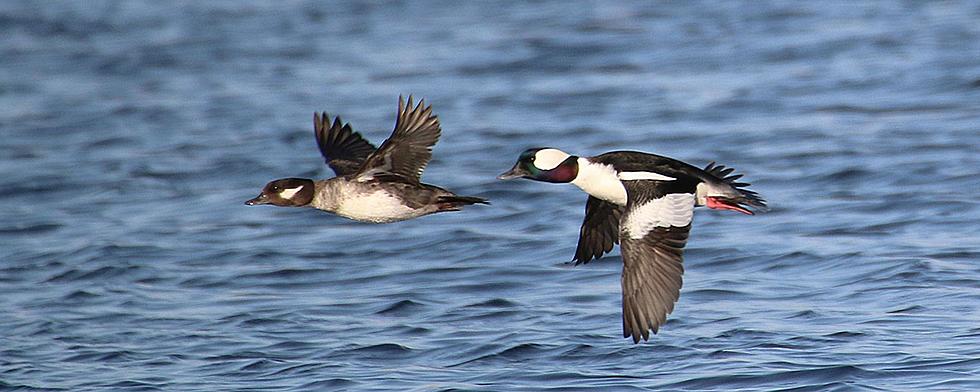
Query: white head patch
{"points": [[549, 158], [288, 193], [674, 209], [643, 175]]}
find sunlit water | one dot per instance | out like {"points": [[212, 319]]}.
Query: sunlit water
{"points": [[132, 133]]}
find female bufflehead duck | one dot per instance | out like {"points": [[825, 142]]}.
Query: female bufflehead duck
{"points": [[372, 185], [646, 202]]}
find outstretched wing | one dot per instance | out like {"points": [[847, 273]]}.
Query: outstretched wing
{"points": [[343, 149], [409, 148], [653, 232], [600, 230]]}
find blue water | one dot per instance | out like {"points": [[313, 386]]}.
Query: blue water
{"points": [[133, 131]]}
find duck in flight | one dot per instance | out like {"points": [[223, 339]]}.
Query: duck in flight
{"points": [[644, 202], [372, 185]]}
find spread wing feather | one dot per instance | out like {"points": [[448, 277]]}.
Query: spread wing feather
{"points": [[652, 279], [343, 149], [600, 230], [652, 264], [409, 148]]}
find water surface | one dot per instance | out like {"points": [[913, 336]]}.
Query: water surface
{"points": [[132, 132]]}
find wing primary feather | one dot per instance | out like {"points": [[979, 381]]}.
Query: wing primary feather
{"points": [[408, 150], [342, 149], [599, 231], [652, 264]]}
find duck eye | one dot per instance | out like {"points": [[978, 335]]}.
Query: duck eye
{"points": [[276, 189]]}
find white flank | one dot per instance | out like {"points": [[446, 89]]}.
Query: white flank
{"points": [[376, 207], [549, 158], [600, 181], [288, 193], [642, 175], [674, 209]]}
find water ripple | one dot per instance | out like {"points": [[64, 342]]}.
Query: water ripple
{"points": [[133, 132]]}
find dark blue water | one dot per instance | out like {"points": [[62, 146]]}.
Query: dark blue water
{"points": [[132, 132]]}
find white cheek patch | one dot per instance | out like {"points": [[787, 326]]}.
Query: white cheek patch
{"points": [[288, 193], [549, 158], [675, 209], [642, 175]]}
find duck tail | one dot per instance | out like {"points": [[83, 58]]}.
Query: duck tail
{"points": [[454, 202], [746, 196]]}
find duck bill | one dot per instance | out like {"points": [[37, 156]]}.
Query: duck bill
{"points": [[258, 200], [514, 172]]}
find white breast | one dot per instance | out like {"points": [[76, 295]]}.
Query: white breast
{"points": [[674, 209], [600, 181]]}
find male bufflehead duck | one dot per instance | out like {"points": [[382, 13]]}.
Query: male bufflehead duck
{"points": [[646, 202], [372, 185]]}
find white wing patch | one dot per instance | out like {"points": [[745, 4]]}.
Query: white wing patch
{"points": [[549, 158], [288, 193], [674, 209], [643, 175]]}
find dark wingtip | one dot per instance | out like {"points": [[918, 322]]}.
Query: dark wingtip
{"points": [[341, 147], [410, 106], [414, 117], [585, 258]]}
